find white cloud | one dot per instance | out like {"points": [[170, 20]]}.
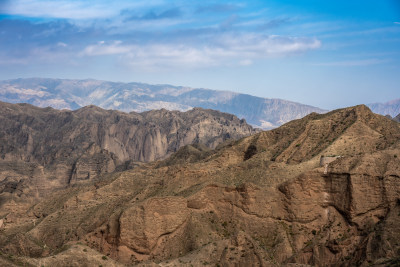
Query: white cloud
{"points": [[101, 48], [256, 45], [72, 9], [353, 63], [245, 62], [225, 50], [45, 54]]}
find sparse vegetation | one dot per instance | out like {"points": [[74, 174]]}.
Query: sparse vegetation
{"points": [[250, 152], [222, 201], [314, 232]]}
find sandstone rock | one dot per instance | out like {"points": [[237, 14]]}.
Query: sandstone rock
{"points": [[209, 207], [46, 149], [143, 226]]}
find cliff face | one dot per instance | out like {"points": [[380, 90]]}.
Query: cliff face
{"points": [[52, 148], [350, 211], [262, 200]]}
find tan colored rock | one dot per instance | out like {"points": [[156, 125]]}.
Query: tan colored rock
{"points": [[143, 226], [45, 149], [272, 207]]}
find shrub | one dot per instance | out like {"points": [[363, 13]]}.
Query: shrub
{"points": [[250, 152], [314, 232]]}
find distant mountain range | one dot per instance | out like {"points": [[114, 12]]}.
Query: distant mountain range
{"points": [[73, 94], [266, 113], [397, 118], [391, 108]]}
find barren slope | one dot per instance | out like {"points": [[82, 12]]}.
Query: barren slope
{"points": [[260, 201], [46, 149]]}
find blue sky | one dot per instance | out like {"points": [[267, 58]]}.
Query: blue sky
{"points": [[328, 54]]}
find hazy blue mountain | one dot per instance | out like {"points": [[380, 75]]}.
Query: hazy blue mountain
{"points": [[397, 118], [72, 94], [391, 108]]}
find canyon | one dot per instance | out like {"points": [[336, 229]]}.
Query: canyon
{"points": [[260, 200]]}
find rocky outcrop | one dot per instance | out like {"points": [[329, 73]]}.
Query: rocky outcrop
{"points": [[347, 209], [155, 219]]}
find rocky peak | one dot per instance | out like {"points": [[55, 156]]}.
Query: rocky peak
{"points": [[338, 132]]}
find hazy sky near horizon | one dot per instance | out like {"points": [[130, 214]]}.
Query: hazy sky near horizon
{"points": [[328, 54]]}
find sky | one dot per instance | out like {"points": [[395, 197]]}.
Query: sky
{"points": [[328, 54]]}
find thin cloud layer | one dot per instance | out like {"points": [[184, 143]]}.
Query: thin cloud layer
{"points": [[354, 63], [224, 50], [152, 35], [70, 9], [152, 15]]}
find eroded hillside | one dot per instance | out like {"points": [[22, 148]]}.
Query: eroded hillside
{"points": [[46, 149], [260, 201]]}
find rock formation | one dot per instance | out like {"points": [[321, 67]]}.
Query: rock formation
{"points": [[263, 200], [42, 149]]}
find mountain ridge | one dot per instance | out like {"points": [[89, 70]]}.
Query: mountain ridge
{"points": [[264, 113], [72, 94], [45, 148]]}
